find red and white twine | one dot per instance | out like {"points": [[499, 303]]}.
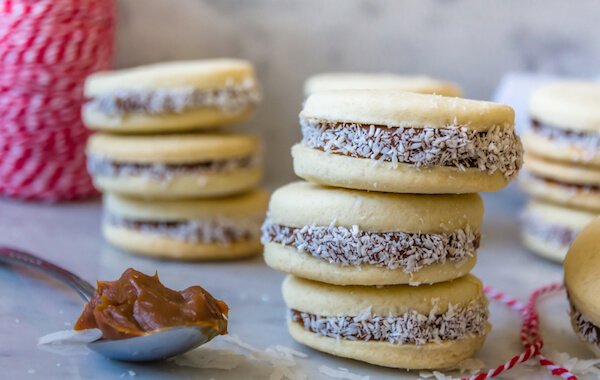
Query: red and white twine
{"points": [[530, 334], [47, 48]]}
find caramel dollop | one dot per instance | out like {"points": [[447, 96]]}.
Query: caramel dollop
{"points": [[137, 304]]}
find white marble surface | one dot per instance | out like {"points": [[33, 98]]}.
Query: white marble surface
{"points": [[68, 234]]}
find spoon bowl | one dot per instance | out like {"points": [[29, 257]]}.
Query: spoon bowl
{"points": [[157, 345]]}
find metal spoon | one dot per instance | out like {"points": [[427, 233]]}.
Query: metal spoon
{"points": [[162, 344]]}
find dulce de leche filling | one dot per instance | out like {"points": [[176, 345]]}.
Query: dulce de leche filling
{"points": [[216, 230], [498, 149], [457, 322], [230, 99], [137, 304], [103, 166], [345, 246]]}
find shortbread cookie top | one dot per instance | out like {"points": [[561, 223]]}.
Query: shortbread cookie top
{"points": [[301, 203], [172, 148], [202, 74], [332, 300], [181, 210], [568, 105], [403, 109], [582, 272], [379, 81]]}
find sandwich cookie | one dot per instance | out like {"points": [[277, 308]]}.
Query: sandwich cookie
{"points": [[562, 182], [548, 229], [565, 122], [425, 327], [379, 81], [175, 166], [401, 142], [172, 96], [582, 281], [350, 237], [199, 229]]}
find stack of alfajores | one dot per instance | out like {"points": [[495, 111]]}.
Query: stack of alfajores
{"points": [[174, 186], [562, 166], [380, 241]]}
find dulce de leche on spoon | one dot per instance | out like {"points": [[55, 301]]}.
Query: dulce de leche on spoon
{"points": [[137, 304]]}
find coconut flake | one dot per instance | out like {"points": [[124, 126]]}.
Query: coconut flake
{"points": [[280, 358], [71, 337], [435, 374], [341, 373], [498, 149], [208, 358]]}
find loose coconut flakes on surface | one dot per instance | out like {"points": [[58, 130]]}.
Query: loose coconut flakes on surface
{"points": [[281, 359], [498, 149], [341, 373]]}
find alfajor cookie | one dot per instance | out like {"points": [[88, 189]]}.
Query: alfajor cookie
{"points": [[401, 142], [175, 166], [379, 81], [172, 96], [548, 229], [350, 237], [562, 182], [565, 122], [425, 327], [198, 229], [582, 281]]}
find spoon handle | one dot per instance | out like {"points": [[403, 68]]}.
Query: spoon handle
{"points": [[15, 256]]}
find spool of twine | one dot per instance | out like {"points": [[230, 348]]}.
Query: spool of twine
{"points": [[47, 48]]}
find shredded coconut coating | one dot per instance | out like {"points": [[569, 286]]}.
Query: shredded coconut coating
{"points": [[409, 328], [220, 229], [588, 142], [554, 234], [585, 329], [231, 99], [498, 149], [99, 165], [393, 250]]}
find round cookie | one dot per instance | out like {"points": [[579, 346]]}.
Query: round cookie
{"points": [[425, 327], [582, 281], [379, 81], [565, 122], [350, 237], [549, 229], [392, 141], [562, 182], [175, 166], [173, 96], [205, 229]]}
